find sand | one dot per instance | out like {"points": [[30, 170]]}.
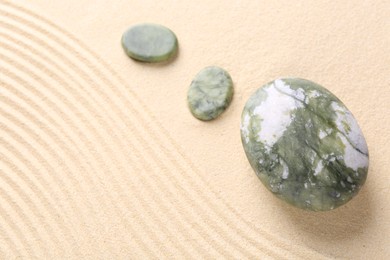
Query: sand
{"points": [[101, 158]]}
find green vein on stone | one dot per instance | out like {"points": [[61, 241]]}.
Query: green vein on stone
{"points": [[304, 144]]}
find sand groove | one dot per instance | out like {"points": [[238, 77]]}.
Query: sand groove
{"points": [[62, 115], [19, 67], [97, 157], [35, 63], [15, 51]]}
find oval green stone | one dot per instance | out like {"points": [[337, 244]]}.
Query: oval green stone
{"points": [[149, 43], [304, 144], [210, 93]]}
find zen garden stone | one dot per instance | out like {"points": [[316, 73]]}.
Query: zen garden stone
{"points": [[304, 144], [210, 93], [150, 43]]}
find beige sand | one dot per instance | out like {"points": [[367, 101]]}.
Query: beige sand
{"points": [[101, 159]]}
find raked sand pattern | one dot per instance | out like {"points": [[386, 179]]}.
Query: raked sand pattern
{"points": [[87, 171], [53, 94]]}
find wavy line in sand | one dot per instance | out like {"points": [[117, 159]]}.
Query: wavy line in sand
{"points": [[191, 167], [50, 135], [33, 64], [25, 82], [13, 28]]}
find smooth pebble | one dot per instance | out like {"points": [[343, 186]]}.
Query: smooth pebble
{"points": [[210, 93], [304, 144], [150, 43]]}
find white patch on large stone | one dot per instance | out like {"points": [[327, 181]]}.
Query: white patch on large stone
{"points": [[299, 94], [322, 134], [312, 157], [354, 135], [245, 127], [352, 158], [285, 170], [319, 168], [275, 112]]}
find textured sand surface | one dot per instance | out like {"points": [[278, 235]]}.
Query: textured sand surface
{"points": [[101, 159]]}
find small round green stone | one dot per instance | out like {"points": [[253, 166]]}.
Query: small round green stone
{"points": [[210, 93], [149, 43]]}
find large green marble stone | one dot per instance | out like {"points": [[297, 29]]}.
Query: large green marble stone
{"points": [[210, 93], [149, 43], [304, 144]]}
